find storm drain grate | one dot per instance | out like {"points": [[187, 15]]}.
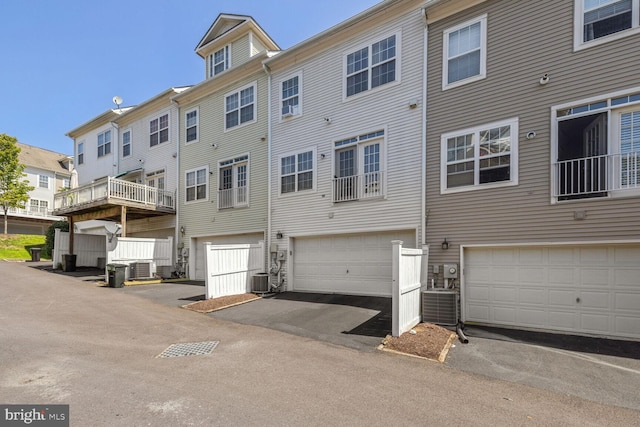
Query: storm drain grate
{"points": [[189, 349]]}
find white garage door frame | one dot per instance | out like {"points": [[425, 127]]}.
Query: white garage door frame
{"points": [[195, 250], [292, 237], [463, 279]]}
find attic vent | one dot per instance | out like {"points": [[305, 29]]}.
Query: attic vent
{"points": [[440, 307], [140, 270]]}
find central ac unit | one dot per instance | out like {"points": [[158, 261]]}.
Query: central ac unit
{"points": [[140, 270], [260, 283], [440, 307]]}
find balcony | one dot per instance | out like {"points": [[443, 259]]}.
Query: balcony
{"points": [[596, 176], [112, 191], [233, 198], [358, 187], [35, 213]]}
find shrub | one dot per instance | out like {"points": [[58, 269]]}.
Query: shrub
{"points": [[47, 249]]}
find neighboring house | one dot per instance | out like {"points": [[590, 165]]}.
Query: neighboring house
{"points": [[223, 141], [347, 151], [48, 172], [533, 137], [127, 167]]}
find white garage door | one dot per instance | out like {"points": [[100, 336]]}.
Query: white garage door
{"points": [[578, 289], [354, 264], [198, 247]]}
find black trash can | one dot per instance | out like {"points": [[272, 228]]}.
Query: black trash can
{"points": [[35, 254], [117, 274], [69, 262]]}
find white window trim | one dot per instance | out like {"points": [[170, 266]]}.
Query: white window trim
{"points": [[197, 110], [248, 186], [255, 106], [483, 53], [610, 128], [80, 152], [314, 156], [578, 25], [104, 152], [297, 74], [157, 117], [130, 143], [41, 179], [227, 60], [514, 173], [398, 59], [207, 179]]}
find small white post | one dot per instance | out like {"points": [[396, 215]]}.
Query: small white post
{"points": [[395, 287]]}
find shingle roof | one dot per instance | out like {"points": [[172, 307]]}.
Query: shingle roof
{"points": [[43, 159]]}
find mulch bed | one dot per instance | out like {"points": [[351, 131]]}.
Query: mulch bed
{"points": [[429, 342], [214, 304]]}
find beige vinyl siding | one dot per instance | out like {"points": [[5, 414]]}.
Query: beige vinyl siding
{"points": [[203, 218], [385, 108], [240, 51], [525, 40], [258, 46]]}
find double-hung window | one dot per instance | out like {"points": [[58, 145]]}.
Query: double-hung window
{"points": [[372, 66], [598, 21], [38, 207], [80, 153], [240, 107], [159, 130], [358, 168], [465, 53], [233, 184], [597, 148], [297, 172], [126, 143], [197, 184], [104, 143], [43, 181], [480, 157], [291, 96], [219, 61], [191, 125]]}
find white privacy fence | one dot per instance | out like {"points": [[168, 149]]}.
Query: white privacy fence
{"points": [[137, 249], [88, 247], [230, 268], [408, 266]]}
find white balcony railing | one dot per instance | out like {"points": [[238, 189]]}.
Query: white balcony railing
{"points": [[358, 187], [33, 212], [597, 175], [114, 189], [232, 198]]}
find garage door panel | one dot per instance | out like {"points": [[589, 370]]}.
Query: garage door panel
{"points": [[592, 289], [351, 263]]}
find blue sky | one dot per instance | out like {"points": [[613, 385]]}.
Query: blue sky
{"points": [[64, 60]]}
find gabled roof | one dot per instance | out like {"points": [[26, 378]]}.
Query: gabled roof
{"points": [[43, 159], [160, 101], [102, 119], [227, 25]]}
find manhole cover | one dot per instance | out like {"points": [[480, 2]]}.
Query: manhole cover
{"points": [[189, 349]]}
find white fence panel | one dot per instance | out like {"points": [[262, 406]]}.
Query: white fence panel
{"points": [[230, 268], [407, 265], [88, 248], [135, 249]]}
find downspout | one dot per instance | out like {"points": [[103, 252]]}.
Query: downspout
{"points": [[177, 193], [116, 149], [266, 69], [424, 129]]}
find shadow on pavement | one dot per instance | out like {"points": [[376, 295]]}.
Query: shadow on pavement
{"points": [[602, 346]]}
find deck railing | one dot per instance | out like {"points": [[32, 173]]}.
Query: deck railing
{"points": [[358, 187], [117, 189], [32, 212], [594, 176]]}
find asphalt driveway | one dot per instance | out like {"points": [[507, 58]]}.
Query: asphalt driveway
{"points": [[600, 370]]}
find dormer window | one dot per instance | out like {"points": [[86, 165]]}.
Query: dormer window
{"points": [[219, 61]]}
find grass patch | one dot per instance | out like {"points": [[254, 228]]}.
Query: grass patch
{"points": [[18, 246]]}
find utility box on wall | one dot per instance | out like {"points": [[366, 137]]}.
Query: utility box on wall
{"points": [[450, 271]]}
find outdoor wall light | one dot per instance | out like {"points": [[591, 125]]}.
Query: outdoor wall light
{"points": [[182, 230], [445, 244], [279, 235]]}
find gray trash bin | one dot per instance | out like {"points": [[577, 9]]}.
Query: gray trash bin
{"points": [[117, 274], [35, 254]]}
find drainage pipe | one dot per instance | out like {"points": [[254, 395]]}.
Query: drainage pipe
{"points": [[461, 336]]}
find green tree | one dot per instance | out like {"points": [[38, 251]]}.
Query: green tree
{"points": [[14, 191]]}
